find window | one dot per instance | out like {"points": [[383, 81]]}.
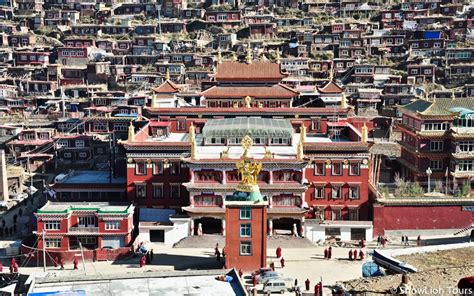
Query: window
{"points": [[466, 165], [140, 168], [336, 192], [88, 240], [112, 225], [436, 145], [354, 169], [157, 168], [140, 190], [435, 126], [336, 214], [245, 230], [175, 168], [52, 225], [337, 169], [157, 190], [67, 155], [466, 146], [245, 248], [436, 165], [181, 124], [82, 154], [245, 213], [319, 169], [316, 124], [52, 243], [79, 144], [100, 126], [120, 127], [354, 192], [87, 221], [353, 214], [174, 191], [63, 143], [319, 192]]}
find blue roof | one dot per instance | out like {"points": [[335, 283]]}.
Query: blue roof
{"points": [[156, 215], [461, 110], [432, 34], [92, 177]]}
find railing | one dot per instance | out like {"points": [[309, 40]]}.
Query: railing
{"points": [[84, 229]]}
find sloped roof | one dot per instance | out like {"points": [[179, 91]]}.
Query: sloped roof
{"points": [[330, 87], [275, 91], [440, 106], [167, 87], [252, 126], [255, 71]]}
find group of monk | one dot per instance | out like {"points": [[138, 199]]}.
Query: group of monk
{"points": [[328, 253], [279, 255], [354, 255]]}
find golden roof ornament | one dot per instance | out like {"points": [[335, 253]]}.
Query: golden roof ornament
{"points": [[246, 143], [278, 57], [131, 133], [268, 153], [343, 101], [248, 101], [167, 76], [192, 140], [364, 134], [299, 151], [225, 153], [453, 97], [302, 133]]}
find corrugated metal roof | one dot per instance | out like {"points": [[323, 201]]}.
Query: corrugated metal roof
{"points": [[243, 126]]}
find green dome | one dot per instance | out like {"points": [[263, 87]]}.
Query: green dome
{"points": [[255, 196]]}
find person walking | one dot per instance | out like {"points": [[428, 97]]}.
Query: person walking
{"points": [[216, 249], [330, 253], [379, 240], [240, 273], [406, 240], [325, 253], [418, 240], [151, 255], [282, 262], [361, 255], [296, 284], [61, 263], [403, 239], [355, 254], [75, 263], [350, 255], [278, 252], [218, 256]]}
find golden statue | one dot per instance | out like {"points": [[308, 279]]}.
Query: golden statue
{"points": [[302, 133], [268, 153], [192, 140], [248, 171], [248, 101], [225, 152], [246, 143]]}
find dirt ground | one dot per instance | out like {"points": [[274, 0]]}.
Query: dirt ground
{"points": [[438, 274]]}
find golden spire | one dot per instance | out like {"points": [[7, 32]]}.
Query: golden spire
{"points": [[278, 57], [131, 133], [331, 74], [154, 101], [219, 56], [453, 97], [249, 56], [364, 134], [168, 76], [192, 140], [302, 133], [343, 101]]}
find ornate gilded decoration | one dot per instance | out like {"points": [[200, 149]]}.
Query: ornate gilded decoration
{"points": [[131, 132], [328, 161], [299, 151], [278, 57], [302, 133], [365, 134], [148, 161], [130, 160], [246, 143], [346, 162], [268, 153], [248, 101], [225, 153], [192, 140], [248, 171]]}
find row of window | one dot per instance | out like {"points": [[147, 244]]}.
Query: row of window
{"points": [[83, 222], [336, 192], [157, 168], [157, 191], [65, 143], [72, 53], [466, 165], [336, 169]]}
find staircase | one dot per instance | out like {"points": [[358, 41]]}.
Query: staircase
{"points": [[464, 230]]}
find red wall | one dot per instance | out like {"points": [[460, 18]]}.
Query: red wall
{"points": [[258, 238], [420, 217]]}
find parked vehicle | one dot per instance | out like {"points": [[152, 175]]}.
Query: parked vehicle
{"points": [[262, 278], [275, 285], [261, 270]]}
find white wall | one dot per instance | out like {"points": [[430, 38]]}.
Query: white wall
{"points": [[180, 230]]}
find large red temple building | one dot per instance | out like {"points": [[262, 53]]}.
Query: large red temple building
{"points": [[184, 158]]}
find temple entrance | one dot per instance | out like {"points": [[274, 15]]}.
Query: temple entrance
{"points": [[285, 226], [209, 225]]}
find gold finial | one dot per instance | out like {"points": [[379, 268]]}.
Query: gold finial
{"points": [[302, 133], [225, 152], [299, 151], [249, 56], [453, 97], [192, 140], [268, 153], [248, 171], [331, 74], [168, 76], [248, 101], [343, 101], [219, 56], [264, 57], [131, 132], [246, 143], [278, 57], [365, 134], [154, 101]]}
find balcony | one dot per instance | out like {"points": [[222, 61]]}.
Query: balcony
{"points": [[80, 230]]}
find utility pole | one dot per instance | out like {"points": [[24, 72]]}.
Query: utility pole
{"points": [[44, 250]]}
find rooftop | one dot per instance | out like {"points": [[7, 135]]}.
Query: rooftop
{"points": [[100, 207], [252, 126], [255, 71], [91, 177]]}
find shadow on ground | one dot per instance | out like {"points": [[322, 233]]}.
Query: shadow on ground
{"points": [[176, 262]]}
